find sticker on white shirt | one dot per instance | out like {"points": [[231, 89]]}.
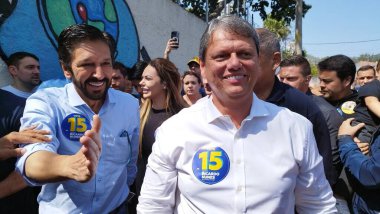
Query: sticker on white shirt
{"points": [[74, 126], [211, 165]]}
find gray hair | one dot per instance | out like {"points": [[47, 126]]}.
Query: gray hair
{"points": [[231, 24], [269, 42]]}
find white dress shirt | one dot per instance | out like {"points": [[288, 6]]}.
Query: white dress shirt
{"points": [[201, 163]]}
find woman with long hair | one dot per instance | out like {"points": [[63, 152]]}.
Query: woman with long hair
{"points": [[161, 85], [192, 83]]}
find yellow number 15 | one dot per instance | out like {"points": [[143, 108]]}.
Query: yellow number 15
{"points": [[211, 160], [77, 124]]}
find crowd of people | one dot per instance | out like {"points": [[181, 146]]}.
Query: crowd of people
{"points": [[229, 135]]}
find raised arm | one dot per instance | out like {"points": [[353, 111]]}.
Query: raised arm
{"points": [[373, 104], [169, 46]]}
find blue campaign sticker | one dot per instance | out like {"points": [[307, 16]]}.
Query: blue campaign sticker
{"points": [[74, 126], [211, 166]]}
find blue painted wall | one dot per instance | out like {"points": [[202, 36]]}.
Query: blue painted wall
{"points": [[33, 26]]}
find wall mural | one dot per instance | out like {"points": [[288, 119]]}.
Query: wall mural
{"points": [[34, 26]]}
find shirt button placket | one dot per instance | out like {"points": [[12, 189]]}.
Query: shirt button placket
{"points": [[240, 173]]}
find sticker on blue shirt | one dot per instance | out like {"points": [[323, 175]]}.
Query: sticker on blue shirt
{"points": [[211, 166], [74, 126]]}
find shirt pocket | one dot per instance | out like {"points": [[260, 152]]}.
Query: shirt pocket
{"points": [[116, 149]]}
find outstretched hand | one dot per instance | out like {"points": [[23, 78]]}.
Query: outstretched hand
{"points": [[9, 142], [85, 162]]}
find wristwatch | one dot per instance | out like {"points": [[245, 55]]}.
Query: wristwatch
{"points": [[343, 136]]}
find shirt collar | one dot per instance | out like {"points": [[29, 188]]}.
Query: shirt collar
{"points": [[76, 100], [258, 109]]}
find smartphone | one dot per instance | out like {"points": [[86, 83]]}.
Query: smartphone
{"points": [[175, 36]]}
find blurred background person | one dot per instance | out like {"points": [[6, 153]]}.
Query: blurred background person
{"points": [[314, 86], [194, 65], [121, 78], [191, 84], [136, 77], [365, 74], [24, 68], [160, 85]]}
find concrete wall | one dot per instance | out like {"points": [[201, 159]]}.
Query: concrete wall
{"points": [[33, 26], [157, 18]]}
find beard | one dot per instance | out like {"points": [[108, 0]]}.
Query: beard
{"points": [[97, 95]]}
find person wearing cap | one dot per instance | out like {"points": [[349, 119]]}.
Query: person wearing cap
{"points": [[194, 65]]}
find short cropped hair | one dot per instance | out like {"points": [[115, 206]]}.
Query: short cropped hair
{"points": [[138, 69], [15, 58], [231, 24], [123, 69], [75, 34], [341, 64], [269, 42], [297, 61], [192, 73], [367, 67]]}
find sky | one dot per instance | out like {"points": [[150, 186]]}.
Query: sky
{"points": [[340, 21]]}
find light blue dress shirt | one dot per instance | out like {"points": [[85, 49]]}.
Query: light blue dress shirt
{"points": [[67, 116]]}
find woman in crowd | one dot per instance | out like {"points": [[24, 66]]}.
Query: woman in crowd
{"points": [[161, 85], [191, 85]]}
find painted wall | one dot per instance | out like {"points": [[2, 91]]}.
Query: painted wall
{"points": [[33, 26]]}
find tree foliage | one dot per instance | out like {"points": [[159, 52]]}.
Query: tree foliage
{"points": [[279, 9], [367, 57], [279, 27]]}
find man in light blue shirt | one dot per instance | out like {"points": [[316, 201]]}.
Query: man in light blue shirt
{"points": [[89, 164]]}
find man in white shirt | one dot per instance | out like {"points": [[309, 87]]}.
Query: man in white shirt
{"points": [[232, 152], [24, 68]]}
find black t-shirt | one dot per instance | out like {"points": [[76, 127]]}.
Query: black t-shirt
{"points": [[24, 201], [156, 118], [362, 113], [346, 105], [12, 108]]}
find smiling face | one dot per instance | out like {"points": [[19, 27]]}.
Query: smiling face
{"points": [[151, 84], [191, 85], [91, 70], [230, 66]]}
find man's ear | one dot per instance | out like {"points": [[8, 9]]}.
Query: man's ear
{"points": [[347, 81], [308, 78], [276, 60], [202, 66], [66, 71], [12, 70]]}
